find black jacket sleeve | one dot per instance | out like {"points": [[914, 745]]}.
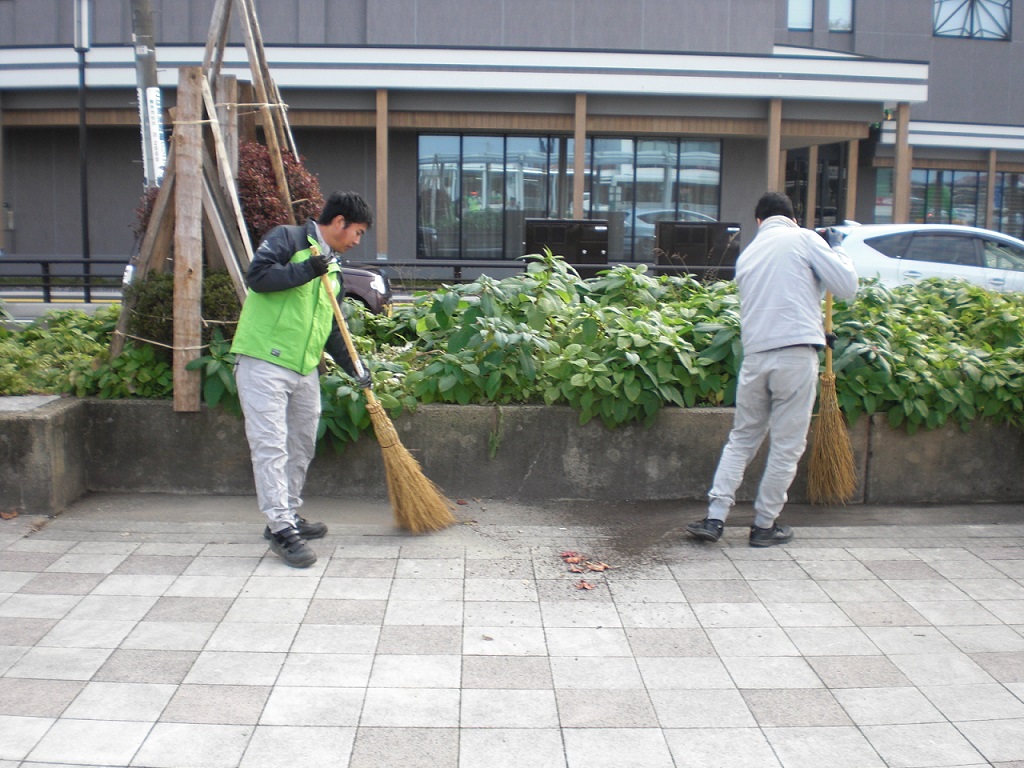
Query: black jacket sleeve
{"points": [[271, 268]]}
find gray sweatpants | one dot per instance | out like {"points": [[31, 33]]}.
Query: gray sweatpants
{"points": [[775, 394], [282, 410]]}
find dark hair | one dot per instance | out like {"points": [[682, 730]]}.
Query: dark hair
{"points": [[773, 204], [347, 204]]}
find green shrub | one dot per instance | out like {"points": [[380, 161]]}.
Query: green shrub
{"points": [[618, 348]]}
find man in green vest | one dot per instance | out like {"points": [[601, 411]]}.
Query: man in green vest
{"points": [[287, 321]]}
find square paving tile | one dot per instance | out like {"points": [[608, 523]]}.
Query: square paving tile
{"points": [[37, 698], [416, 748], [605, 708], [857, 671], [140, 666], [235, 668], [313, 706], [217, 704], [795, 707], [169, 636], [345, 612], [419, 671], [405, 640], [524, 748], [960, 703], [59, 663], [339, 670], [833, 746], [887, 706], [1000, 741], [186, 745], [702, 708], [336, 638], [141, 702], [504, 641], [506, 672], [488, 614], [495, 708], [928, 744], [21, 734], [684, 673], [616, 747], [721, 747], [411, 708], [595, 672], [424, 612], [273, 746], [93, 742], [587, 641], [55, 583]]}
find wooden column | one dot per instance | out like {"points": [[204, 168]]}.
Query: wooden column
{"points": [[901, 170], [775, 165], [990, 190], [382, 175], [579, 155], [188, 237], [852, 164], [810, 220]]}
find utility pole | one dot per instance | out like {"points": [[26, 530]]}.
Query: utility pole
{"points": [[154, 150], [81, 46]]}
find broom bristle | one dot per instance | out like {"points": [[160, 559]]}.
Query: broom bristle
{"points": [[418, 505], [832, 472]]}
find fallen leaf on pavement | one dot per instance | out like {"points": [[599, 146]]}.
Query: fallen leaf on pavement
{"points": [[9, 515], [575, 569], [583, 584], [599, 566]]}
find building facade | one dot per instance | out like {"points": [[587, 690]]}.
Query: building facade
{"points": [[460, 120]]}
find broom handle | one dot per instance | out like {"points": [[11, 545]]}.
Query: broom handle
{"points": [[343, 327], [828, 329]]}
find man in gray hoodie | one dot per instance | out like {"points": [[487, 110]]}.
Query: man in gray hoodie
{"points": [[781, 276]]}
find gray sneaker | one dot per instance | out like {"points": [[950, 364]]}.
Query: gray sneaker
{"points": [[766, 537], [289, 546], [706, 529]]}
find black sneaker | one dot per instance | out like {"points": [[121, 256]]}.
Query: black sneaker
{"points": [[766, 537], [289, 546], [706, 529], [307, 530]]}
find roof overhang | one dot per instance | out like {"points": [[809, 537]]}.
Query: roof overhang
{"points": [[958, 135], [785, 76]]}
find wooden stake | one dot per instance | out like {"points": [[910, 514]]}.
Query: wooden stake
{"points": [[269, 126], [188, 238], [227, 178], [155, 243]]}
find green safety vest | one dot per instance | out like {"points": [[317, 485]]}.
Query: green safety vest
{"points": [[288, 328]]}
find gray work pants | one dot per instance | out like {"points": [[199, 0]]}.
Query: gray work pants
{"points": [[282, 411], [775, 394]]}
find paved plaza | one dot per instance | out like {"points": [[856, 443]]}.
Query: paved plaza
{"points": [[158, 631]]}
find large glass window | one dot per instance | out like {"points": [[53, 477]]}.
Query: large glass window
{"points": [[475, 192], [801, 14], [983, 19], [943, 196], [840, 15]]}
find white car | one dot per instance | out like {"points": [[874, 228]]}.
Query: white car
{"points": [[898, 254]]}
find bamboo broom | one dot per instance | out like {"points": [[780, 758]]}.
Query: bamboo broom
{"points": [[832, 473], [418, 505]]}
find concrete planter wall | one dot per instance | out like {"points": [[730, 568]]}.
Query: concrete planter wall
{"points": [[54, 453]]}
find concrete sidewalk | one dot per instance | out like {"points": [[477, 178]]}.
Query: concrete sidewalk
{"points": [[154, 630]]}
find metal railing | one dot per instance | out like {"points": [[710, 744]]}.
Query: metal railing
{"points": [[78, 277]]}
